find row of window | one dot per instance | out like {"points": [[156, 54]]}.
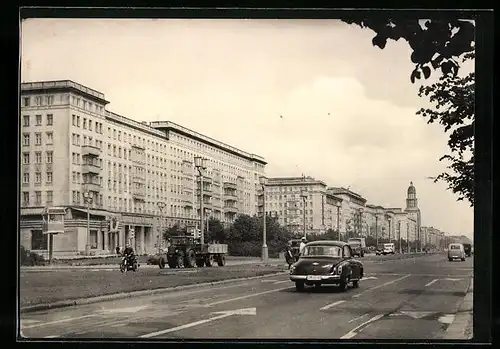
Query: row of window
{"points": [[38, 177], [75, 140], [27, 199], [87, 124], [38, 138], [38, 120], [39, 100], [49, 157]]}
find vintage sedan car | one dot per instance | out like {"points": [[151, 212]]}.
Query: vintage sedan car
{"points": [[326, 262]]}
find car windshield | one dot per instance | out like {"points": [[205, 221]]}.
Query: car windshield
{"points": [[387, 245], [179, 240], [380, 247], [354, 241], [316, 251], [354, 244], [455, 247]]}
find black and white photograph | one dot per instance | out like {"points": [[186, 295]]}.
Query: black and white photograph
{"points": [[246, 179]]}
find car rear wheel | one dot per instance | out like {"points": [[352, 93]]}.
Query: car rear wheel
{"points": [[463, 259], [355, 283], [299, 286], [450, 259]]}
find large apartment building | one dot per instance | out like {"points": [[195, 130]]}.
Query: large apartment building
{"points": [[127, 174], [288, 197]]}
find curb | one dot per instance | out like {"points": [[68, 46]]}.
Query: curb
{"points": [[116, 296], [461, 327]]}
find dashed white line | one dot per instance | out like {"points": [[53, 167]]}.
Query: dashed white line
{"points": [[246, 296], [357, 318], [59, 321], [382, 285], [353, 332], [430, 283], [331, 305], [280, 282]]}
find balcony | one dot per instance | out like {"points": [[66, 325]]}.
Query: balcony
{"points": [[138, 146], [230, 185], [92, 187], [188, 203], [138, 179], [231, 209], [139, 194], [90, 150], [230, 196], [53, 227], [91, 168]]}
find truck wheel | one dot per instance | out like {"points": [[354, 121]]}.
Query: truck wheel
{"points": [[172, 263], [221, 261], [190, 259], [209, 260], [161, 263], [200, 263]]}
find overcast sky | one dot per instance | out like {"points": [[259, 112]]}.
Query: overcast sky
{"points": [[311, 96]]}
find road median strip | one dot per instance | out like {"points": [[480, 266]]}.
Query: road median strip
{"points": [[177, 282]]}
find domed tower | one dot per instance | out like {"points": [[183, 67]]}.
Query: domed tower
{"points": [[412, 206]]}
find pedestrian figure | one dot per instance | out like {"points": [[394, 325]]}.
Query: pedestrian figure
{"points": [[118, 250]]}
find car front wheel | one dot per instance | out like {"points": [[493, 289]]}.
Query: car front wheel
{"points": [[299, 286], [343, 285]]}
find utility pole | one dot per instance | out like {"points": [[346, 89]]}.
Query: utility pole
{"points": [[200, 166]]}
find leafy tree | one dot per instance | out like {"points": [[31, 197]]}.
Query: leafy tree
{"points": [[216, 231], [440, 45], [174, 230]]}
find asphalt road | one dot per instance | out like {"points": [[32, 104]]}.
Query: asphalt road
{"points": [[398, 299]]}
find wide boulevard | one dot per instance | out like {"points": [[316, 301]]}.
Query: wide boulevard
{"points": [[415, 298]]}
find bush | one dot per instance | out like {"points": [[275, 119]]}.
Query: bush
{"points": [[29, 258]]}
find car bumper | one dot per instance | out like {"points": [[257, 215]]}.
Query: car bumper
{"points": [[333, 279]]}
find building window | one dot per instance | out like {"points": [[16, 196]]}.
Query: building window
{"points": [[38, 177], [93, 239], [38, 157], [26, 101], [26, 198], [38, 120], [38, 138], [26, 139], [90, 125], [74, 120], [49, 197], [38, 100], [50, 119], [38, 198], [50, 138], [49, 157], [84, 123], [26, 178], [78, 121], [26, 120], [50, 100], [49, 177], [26, 158]]}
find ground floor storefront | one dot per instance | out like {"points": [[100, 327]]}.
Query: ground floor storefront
{"points": [[101, 234]]}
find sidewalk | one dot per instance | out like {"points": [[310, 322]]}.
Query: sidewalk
{"points": [[462, 326]]}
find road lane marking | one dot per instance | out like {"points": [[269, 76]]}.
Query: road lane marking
{"points": [[357, 318], [384, 284], [269, 280], [280, 282], [354, 332], [430, 283], [53, 336], [331, 305], [246, 296], [59, 321], [223, 314]]}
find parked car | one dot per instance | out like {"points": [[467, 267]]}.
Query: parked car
{"points": [[326, 262], [456, 251], [384, 249]]}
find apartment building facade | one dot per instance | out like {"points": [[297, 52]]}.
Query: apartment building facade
{"points": [[128, 175], [352, 209], [288, 197]]}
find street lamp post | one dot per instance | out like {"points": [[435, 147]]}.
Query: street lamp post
{"points": [[263, 182], [389, 219], [408, 236], [376, 228], [161, 205], [338, 218], [199, 163], [399, 235], [304, 197], [88, 202]]}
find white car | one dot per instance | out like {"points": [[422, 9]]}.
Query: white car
{"points": [[456, 251]]}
